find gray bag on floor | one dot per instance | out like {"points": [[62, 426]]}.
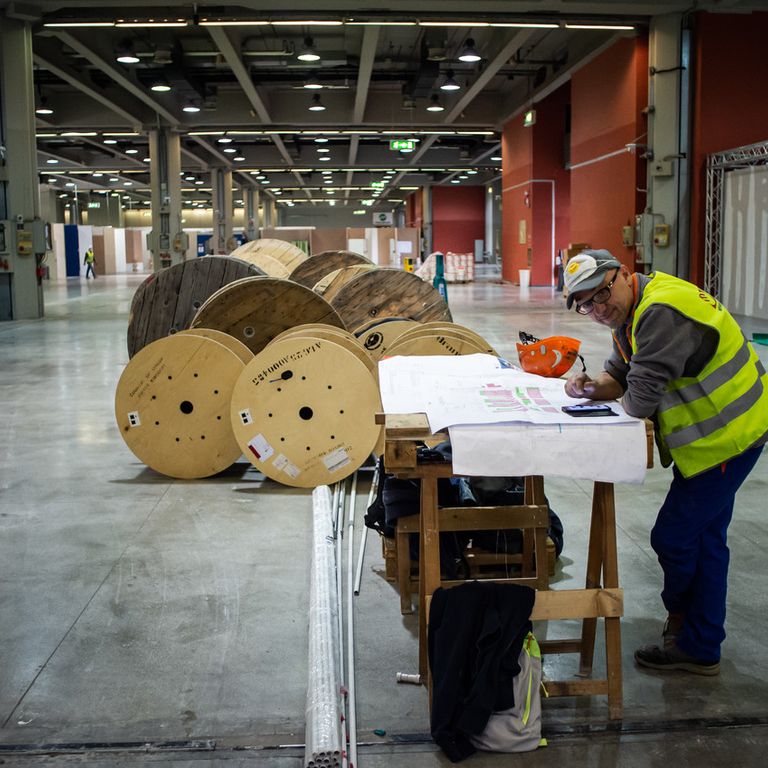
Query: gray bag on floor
{"points": [[518, 729]]}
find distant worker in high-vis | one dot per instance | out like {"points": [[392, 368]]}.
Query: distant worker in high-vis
{"points": [[88, 261]]}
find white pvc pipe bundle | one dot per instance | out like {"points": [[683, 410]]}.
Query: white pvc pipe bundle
{"points": [[351, 698], [323, 737]]}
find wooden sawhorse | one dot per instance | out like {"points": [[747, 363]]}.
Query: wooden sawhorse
{"points": [[601, 596]]}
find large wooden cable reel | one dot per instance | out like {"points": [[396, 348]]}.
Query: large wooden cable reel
{"points": [[435, 344], [447, 335], [256, 310], [381, 293], [167, 301], [172, 405], [278, 258], [309, 272], [329, 285], [377, 336], [303, 412], [336, 335], [230, 342]]}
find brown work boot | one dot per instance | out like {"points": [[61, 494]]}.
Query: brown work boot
{"points": [[672, 658], [672, 627]]}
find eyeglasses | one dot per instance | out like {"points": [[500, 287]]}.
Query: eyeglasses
{"points": [[598, 298]]}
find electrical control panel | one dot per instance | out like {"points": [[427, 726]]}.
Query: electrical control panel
{"points": [[661, 235], [21, 240]]}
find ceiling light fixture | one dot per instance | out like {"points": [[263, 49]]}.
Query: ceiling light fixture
{"points": [[126, 54], [599, 26], [312, 84], [151, 23], [449, 84], [321, 140], [191, 106], [434, 104], [308, 51], [470, 53], [161, 86], [43, 109], [316, 105]]}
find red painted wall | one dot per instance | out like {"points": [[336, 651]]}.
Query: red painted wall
{"points": [[458, 218], [730, 106], [413, 210], [607, 97], [516, 171], [549, 163]]}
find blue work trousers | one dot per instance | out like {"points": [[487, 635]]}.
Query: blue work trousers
{"points": [[690, 538]]}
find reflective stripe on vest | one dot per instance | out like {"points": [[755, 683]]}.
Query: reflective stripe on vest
{"points": [[714, 416]]}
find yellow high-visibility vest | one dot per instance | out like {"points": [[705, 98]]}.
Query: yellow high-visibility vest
{"points": [[708, 419]]}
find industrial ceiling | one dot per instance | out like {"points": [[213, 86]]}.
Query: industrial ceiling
{"points": [[239, 81]]}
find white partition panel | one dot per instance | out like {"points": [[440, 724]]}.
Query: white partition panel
{"points": [[744, 267]]}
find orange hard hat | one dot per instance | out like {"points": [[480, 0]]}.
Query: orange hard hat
{"points": [[551, 357]]}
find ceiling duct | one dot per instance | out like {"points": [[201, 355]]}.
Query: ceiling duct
{"points": [[420, 83]]}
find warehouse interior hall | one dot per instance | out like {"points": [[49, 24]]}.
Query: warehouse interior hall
{"points": [[153, 621]]}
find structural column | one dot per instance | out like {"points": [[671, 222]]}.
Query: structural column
{"points": [[167, 241], [668, 108], [426, 215], [251, 200], [270, 214], [221, 202], [22, 237]]}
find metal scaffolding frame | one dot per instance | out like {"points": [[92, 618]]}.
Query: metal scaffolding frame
{"points": [[718, 164]]}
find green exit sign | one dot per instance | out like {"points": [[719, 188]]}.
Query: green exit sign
{"points": [[403, 145]]}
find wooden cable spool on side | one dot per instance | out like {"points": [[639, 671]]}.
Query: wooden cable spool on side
{"points": [[278, 258], [172, 406], [230, 342], [167, 301], [303, 412], [336, 335], [382, 293], [435, 344], [256, 310], [452, 329], [311, 271], [376, 337], [329, 285]]}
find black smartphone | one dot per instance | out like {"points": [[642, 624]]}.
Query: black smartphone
{"points": [[589, 409]]}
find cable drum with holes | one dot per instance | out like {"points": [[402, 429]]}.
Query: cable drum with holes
{"points": [[256, 310], [303, 412], [230, 342], [336, 335], [278, 258], [454, 338], [309, 272], [381, 293], [172, 406], [167, 301], [329, 285], [377, 336]]}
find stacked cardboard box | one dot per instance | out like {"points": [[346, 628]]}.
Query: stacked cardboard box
{"points": [[457, 267]]}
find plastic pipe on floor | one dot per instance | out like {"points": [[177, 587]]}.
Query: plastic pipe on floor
{"points": [[323, 735]]}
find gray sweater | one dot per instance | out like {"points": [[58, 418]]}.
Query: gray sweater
{"points": [[669, 345]]}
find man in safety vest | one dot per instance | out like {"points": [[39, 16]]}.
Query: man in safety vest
{"points": [[88, 260], [679, 357]]}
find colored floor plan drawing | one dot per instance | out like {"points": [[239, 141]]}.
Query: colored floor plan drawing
{"points": [[500, 399]]}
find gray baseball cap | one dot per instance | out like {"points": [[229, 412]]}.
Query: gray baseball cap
{"points": [[586, 271]]}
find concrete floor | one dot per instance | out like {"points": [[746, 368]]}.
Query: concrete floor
{"points": [[136, 609]]}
